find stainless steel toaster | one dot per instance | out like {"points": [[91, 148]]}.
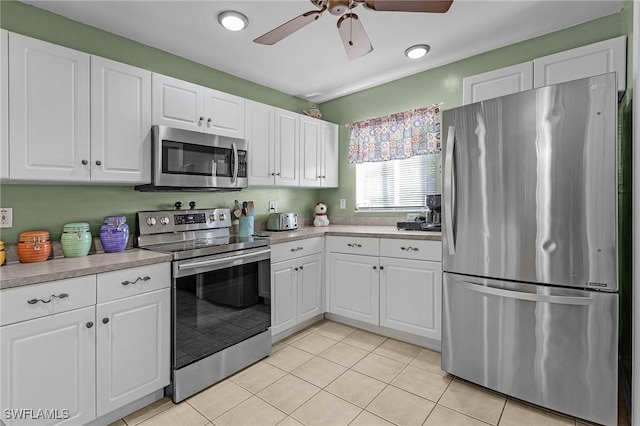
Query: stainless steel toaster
{"points": [[282, 221]]}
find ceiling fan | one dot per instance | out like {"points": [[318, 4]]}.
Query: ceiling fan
{"points": [[355, 39]]}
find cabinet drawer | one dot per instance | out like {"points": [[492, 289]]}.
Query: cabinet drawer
{"points": [[411, 249], [354, 245], [47, 298], [294, 249], [132, 281]]}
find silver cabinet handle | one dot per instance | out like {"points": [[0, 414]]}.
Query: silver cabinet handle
{"points": [[209, 122], [98, 163], [297, 248], [278, 174], [354, 245], [147, 278], [301, 268], [105, 320], [381, 268], [375, 267], [53, 296], [410, 248], [85, 162], [273, 174], [89, 324], [200, 120], [295, 269]]}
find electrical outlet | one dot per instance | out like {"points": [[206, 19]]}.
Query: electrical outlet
{"points": [[273, 206], [343, 203], [6, 217]]}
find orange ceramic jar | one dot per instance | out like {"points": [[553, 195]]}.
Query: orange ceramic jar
{"points": [[34, 246]]}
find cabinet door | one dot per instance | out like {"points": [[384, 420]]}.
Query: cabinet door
{"points": [[309, 287], [177, 103], [49, 103], [224, 114], [585, 61], [120, 122], [310, 141], [4, 104], [287, 158], [260, 133], [283, 296], [354, 287], [411, 296], [49, 363], [492, 84], [133, 348], [330, 155]]}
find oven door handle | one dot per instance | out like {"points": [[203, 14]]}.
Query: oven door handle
{"points": [[224, 260]]}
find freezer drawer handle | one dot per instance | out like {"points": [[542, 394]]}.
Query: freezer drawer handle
{"points": [[562, 300], [410, 248], [147, 278], [53, 296], [354, 245]]}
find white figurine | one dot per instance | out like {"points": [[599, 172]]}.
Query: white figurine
{"points": [[321, 215]]}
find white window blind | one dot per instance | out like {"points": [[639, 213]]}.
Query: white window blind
{"points": [[396, 184]]}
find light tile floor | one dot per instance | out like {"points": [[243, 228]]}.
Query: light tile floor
{"points": [[332, 374]]}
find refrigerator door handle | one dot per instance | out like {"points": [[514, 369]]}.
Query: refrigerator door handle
{"points": [[449, 190], [511, 294]]}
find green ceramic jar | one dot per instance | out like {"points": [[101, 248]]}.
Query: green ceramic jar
{"points": [[76, 239]]}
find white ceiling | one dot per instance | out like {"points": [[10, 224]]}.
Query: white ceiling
{"points": [[311, 63]]}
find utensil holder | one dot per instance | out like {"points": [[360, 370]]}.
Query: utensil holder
{"points": [[245, 227]]}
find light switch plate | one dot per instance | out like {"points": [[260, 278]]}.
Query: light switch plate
{"points": [[343, 203], [273, 206]]}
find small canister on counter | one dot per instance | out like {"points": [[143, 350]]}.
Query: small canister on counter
{"points": [[3, 254], [76, 239], [114, 234], [34, 246]]}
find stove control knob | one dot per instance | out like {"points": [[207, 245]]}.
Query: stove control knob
{"points": [[212, 217], [222, 216], [151, 221], [164, 220]]}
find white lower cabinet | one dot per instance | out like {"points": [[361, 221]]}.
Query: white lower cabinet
{"points": [[296, 283], [409, 295], [49, 364], [393, 283], [83, 347]]}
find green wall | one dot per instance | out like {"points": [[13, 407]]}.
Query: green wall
{"points": [[444, 84]]}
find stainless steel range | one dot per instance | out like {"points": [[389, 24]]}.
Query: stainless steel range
{"points": [[221, 311]]}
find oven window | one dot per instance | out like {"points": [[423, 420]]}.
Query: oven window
{"points": [[189, 159], [217, 309]]}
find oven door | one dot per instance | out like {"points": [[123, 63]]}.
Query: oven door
{"points": [[184, 158], [219, 301]]}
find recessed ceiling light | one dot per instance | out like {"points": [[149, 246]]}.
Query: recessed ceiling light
{"points": [[232, 20], [417, 51]]}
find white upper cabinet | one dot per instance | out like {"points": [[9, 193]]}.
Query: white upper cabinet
{"points": [[310, 151], [49, 104], [261, 134], [120, 122], [581, 62], [500, 82], [586, 61], [329, 155], [287, 146], [4, 104], [184, 105]]}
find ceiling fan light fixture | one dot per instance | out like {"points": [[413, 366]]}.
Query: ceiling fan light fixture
{"points": [[232, 20], [417, 51]]}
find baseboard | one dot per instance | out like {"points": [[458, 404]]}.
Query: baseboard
{"points": [[128, 409], [296, 328]]}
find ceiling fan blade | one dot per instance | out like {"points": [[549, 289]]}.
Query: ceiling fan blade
{"points": [[288, 28], [429, 6], [355, 39]]}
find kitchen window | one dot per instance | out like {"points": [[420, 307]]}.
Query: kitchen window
{"points": [[397, 159], [397, 184]]}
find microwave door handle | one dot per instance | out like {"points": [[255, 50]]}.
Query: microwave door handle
{"points": [[235, 162]]}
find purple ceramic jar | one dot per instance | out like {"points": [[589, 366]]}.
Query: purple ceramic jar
{"points": [[114, 234]]}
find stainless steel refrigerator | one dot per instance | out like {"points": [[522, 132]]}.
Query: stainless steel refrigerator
{"points": [[530, 297]]}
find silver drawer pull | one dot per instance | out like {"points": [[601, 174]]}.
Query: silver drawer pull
{"points": [[410, 248], [297, 248], [147, 278], [53, 296], [354, 245]]}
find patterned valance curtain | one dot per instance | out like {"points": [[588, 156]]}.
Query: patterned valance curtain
{"points": [[396, 136]]}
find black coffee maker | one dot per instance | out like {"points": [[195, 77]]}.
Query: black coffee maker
{"points": [[432, 218]]}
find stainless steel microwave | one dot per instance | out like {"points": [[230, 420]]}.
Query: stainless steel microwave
{"points": [[184, 160]]}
